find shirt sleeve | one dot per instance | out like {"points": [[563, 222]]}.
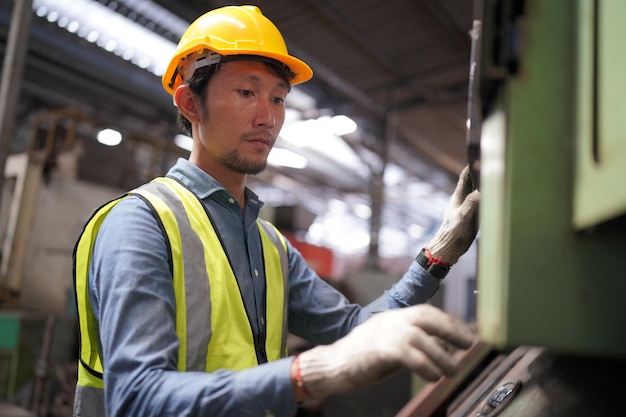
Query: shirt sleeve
{"points": [[321, 314], [131, 291]]}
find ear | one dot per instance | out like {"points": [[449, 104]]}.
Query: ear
{"points": [[186, 102]]}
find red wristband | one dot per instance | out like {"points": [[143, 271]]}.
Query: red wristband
{"points": [[298, 379], [433, 260]]}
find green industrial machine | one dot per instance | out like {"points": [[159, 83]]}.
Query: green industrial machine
{"points": [[547, 148], [552, 171]]}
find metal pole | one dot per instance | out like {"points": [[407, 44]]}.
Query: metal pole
{"points": [[377, 194], [12, 76], [41, 367]]}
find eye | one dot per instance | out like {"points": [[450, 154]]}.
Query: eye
{"points": [[278, 100], [246, 93]]}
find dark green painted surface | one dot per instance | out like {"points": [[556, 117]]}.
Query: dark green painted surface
{"points": [[541, 281]]}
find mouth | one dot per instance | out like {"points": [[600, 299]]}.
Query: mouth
{"points": [[265, 139]]}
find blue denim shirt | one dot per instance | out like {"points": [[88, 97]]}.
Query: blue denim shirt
{"points": [[130, 288]]}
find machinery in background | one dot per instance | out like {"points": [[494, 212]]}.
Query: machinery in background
{"points": [[547, 143], [43, 207]]}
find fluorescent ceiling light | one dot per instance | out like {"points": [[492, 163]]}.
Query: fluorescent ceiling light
{"points": [[317, 135], [111, 31], [286, 158], [109, 137], [341, 125], [301, 133], [310, 132], [344, 234]]}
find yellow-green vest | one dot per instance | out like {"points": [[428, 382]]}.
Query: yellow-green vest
{"points": [[204, 285]]}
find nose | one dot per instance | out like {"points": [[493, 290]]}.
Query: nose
{"points": [[265, 113]]}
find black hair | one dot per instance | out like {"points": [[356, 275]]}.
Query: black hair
{"points": [[198, 85]]}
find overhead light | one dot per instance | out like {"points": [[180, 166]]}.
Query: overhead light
{"points": [[318, 135], [363, 211], [314, 131], [112, 31], [341, 233], [342, 125], [301, 133], [109, 137], [394, 175], [338, 125], [184, 142], [286, 158]]}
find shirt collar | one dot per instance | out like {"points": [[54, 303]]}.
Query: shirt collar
{"points": [[203, 185]]}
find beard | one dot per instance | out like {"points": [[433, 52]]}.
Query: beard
{"points": [[242, 165]]}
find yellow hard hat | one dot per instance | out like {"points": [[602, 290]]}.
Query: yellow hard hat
{"points": [[228, 31]]}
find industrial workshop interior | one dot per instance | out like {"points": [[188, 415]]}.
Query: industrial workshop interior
{"points": [[405, 93]]}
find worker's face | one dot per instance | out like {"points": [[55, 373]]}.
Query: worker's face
{"points": [[245, 110]]}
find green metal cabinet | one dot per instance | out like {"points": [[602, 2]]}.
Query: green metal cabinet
{"points": [[552, 244]]}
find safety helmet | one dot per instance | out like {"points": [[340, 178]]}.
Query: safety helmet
{"points": [[226, 32]]}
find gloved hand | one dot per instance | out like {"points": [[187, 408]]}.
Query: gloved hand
{"points": [[412, 337], [460, 222]]}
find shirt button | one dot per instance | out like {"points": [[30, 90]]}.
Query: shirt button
{"points": [[256, 272], [231, 200]]}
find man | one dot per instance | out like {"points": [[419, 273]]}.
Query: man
{"points": [[185, 297]]}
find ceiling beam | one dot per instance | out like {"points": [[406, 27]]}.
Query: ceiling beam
{"points": [[441, 15]]}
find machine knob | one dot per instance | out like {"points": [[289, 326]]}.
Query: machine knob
{"points": [[499, 398]]}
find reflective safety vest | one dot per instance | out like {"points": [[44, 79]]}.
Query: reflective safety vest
{"points": [[211, 322]]}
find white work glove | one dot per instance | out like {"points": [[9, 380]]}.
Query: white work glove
{"points": [[460, 222], [412, 337]]}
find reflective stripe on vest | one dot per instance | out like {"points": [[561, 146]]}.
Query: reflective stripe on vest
{"points": [[205, 287]]}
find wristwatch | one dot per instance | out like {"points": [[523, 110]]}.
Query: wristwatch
{"points": [[436, 270]]}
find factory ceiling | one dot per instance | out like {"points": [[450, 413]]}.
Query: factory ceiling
{"points": [[398, 68]]}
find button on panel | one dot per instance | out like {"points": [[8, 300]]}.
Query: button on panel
{"points": [[499, 398]]}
